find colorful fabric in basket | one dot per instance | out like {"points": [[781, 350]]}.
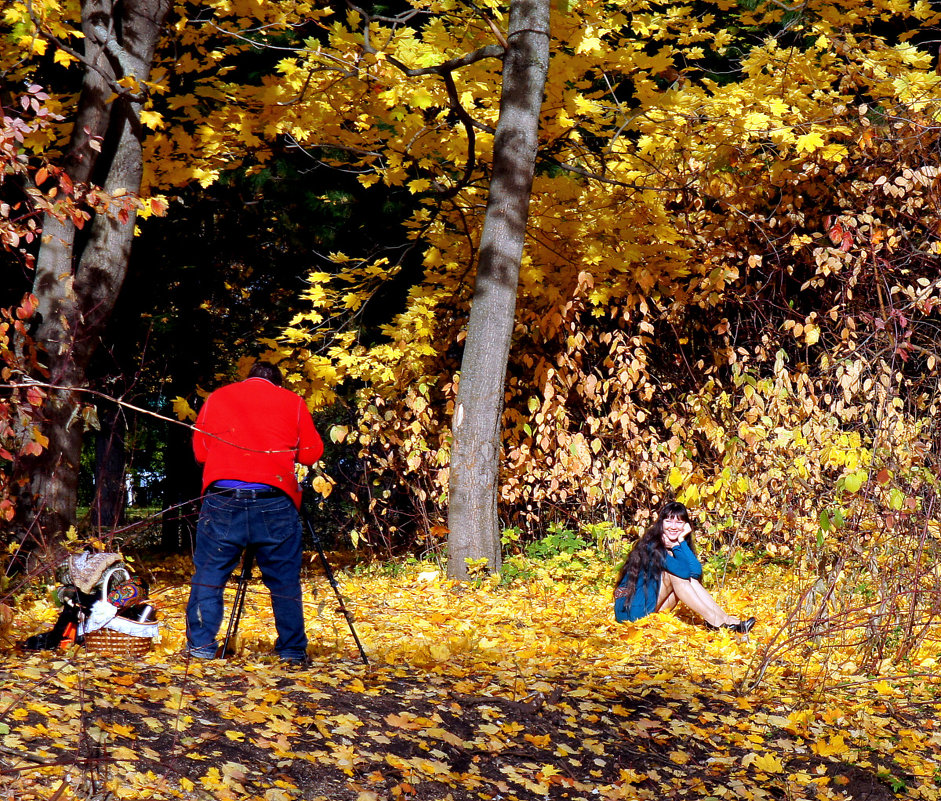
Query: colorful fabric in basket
{"points": [[127, 592]]}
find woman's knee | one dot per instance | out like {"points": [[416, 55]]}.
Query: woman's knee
{"points": [[666, 591]]}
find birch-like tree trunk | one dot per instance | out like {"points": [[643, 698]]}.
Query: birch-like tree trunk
{"points": [[475, 452], [80, 273]]}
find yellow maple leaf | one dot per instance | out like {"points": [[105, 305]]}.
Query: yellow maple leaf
{"points": [[281, 726], [63, 58], [539, 740], [539, 789], [440, 653], [421, 98], [151, 119], [588, 44], [182, 409], [632, 776], [34, 44], [768, 763], [122, 754], [212, 780], [443, 734], [122, 730], [809, 142], [833, 747]]}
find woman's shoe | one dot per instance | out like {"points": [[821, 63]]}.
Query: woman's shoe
{"points": [[742, 627]]}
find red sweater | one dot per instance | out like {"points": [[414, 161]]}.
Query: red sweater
{"points": [[255, 431]]}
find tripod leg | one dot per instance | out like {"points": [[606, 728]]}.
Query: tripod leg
{"points": [[333, 583], [238, 604]]}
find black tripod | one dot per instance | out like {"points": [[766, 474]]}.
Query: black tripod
{"points": [[333, 583], [248, 561]]}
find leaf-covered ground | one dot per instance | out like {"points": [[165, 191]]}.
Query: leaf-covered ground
{"points": [[473, 692]]}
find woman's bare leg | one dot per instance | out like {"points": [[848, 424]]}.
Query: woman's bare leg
{"points": [[696, 597], [708, 600], [666, 598]]}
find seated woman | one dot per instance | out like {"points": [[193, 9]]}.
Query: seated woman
{"points": [[662, 569]]}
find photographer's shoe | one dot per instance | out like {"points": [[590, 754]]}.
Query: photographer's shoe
{"points": [[296, 661], [202, 652]]}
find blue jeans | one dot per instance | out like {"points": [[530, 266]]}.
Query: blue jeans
{"points": [[226, 527]]}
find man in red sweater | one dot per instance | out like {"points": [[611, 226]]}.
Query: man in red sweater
{"points": [[248, 437]]}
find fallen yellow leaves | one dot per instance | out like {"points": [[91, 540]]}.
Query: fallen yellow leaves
{"points": [[767, 763], [599, 715], [830, 747]]}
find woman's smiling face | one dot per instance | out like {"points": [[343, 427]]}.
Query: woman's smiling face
{"points": [[674, 530]]}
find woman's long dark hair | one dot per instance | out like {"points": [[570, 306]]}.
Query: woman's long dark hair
{"points": [[649, 551]]}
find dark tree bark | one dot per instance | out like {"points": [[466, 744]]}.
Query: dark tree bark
{"points": [[475, 452], [80, 273], [180, 494], [107, 508]]}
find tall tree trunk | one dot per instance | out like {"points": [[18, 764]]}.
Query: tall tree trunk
{"points": [[181, 492], [475, 451], [110, 467], [78, 274]]}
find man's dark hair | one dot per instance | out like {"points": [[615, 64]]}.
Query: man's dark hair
{"points": [[267, 371]]}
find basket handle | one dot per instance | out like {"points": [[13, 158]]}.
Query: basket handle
{"points": [[110, 573]]}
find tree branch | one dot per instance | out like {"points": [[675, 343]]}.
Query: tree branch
{"points": [[488, 51], [445, 71], [593, 176], [105, 41]]}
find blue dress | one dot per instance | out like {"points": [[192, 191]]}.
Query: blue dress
{"points": [[680, 562]]}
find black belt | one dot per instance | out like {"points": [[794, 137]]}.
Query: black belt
{"points": [[244, 493]]}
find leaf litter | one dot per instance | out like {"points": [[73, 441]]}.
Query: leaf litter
{"points": [[473, 691]]}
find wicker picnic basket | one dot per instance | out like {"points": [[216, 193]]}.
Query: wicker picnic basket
{"points": [[109, 642]]}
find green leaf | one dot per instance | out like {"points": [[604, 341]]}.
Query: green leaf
{"points": [[896, 499], [854, 481]]}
